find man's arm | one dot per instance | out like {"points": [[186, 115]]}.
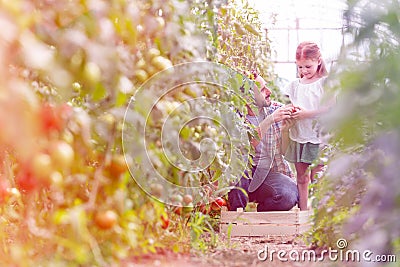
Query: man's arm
{"points": [[278, 115], [286, 124], [264, 126]]}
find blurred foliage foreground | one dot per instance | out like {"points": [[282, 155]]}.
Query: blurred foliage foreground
{"points": [[68, 70], [359, 196]]}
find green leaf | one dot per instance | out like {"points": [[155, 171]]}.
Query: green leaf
{"points": [[121, 99], [99, 92], [185, 133]]}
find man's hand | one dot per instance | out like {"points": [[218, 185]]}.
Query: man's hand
{"points": [[287, 124], [282, 113]]}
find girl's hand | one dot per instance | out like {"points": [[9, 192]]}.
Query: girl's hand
{"points": [[299, 113], [293, 108]]}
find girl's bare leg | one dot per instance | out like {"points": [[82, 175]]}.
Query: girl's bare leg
{"points": [[303, 180]]}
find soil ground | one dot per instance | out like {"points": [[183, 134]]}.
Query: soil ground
{"points": [[242, 252]]}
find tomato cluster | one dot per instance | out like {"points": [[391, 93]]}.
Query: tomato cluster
{"points": [[214, 206], [182, 206], [46, 166]]}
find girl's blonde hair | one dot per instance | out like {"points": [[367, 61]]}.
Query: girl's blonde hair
{"points": [[311, 51]]}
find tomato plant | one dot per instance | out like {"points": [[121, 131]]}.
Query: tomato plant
{"points": [[358, 197], [68, 195]]}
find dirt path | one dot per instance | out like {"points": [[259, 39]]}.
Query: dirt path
{"points": [[244, 252], [256, 251]]}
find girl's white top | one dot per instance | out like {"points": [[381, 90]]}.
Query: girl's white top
{"points": [[309, 97]]}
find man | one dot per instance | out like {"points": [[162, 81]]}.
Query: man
{"points": [[271, 185]]}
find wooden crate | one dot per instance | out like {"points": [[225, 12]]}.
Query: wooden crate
{"points": [[272, 223]]}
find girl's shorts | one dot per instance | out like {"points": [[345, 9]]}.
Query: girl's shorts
{"points": [[298, 152]]}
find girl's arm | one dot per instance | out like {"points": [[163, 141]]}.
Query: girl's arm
{"points": [[301, 113]]}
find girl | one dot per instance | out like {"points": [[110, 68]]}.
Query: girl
{"points": [[305, 94]]}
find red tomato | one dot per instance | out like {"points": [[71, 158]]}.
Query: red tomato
{"points": [[4, 191], [218, 203], [215, 207], [205, 209], [117, 165], [295, 109], [26, 181], [178, 209], [164, 221], [106, 219], [51, 120]]}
